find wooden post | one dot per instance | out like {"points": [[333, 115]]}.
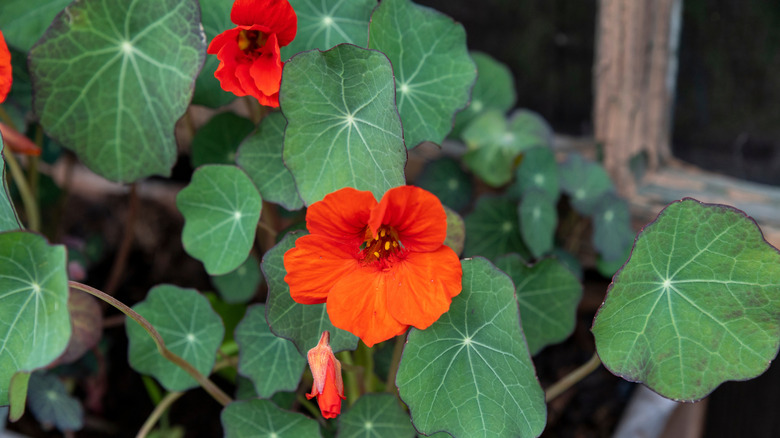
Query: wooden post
{"points": [[634, 79]]}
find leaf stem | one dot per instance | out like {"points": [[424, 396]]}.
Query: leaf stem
{"points": [[400, 341], [572, 378], [158, 411], [204, 382], [351, 381], [28, 199]]}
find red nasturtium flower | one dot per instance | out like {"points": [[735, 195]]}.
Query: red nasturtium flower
{"points": [[5, 69], [326, 370], [249, 59], [380, 267], [13, 139]]}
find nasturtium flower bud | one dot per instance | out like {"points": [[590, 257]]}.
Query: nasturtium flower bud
{"points": [[328, 386]]}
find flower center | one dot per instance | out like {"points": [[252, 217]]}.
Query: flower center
{"points": [[251, 40], [385, 244]]}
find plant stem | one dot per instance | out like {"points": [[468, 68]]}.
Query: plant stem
{"points": [[350, 379], [572, 378], [394, 363], [204, 382], [313, 410], [118, 268], [158, 411], [28, 199]]}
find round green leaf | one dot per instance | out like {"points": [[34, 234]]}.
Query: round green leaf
{"points": [[22, 24], [221, 208], [547, 294], [343, 129], [260, 155], [538, 170], [256, 418], [585, 182], [445, 179], [217, 141], [376, 416], [112, 77], [8, 219], [240, 284], [215, 16], [470, 373], [271, 362], [456, 231], [188, 325], [51, 404], [34, 322], [325, 23], [433, 71], [612, 233], [493, 229], [697, 303], [538, 219], [495, 143], [303, 324], [494, 89]]}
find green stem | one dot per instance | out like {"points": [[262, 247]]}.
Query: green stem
{"points": [[572, 378], [28, 199], [394, 363], [158, 411], [350, 377], [204, 382], [366, 358]]}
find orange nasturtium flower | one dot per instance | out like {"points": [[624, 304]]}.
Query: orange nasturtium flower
{"points": [[249, 59], [5, 69], [15, 141], [326, 370], [380, 267]]}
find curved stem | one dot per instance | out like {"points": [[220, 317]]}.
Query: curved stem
{"points": [[160, 409], [204, 382], [28, 199], [572, 378], [118, 268], [350, 379]]}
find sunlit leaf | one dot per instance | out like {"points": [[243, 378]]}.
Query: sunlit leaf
{"points": [[189, 327], [494, 89], [585, 182], [323, 24], [215, 16], [22, 24], [255, 418], [51, 404], [216, 142], [112, 77], [697, 303], [8, 219], [260, 155], [376, 416], [538, 219], [547, 294], [433, 70], [445, 179], [34, 322], [240, 284], [271, 362], [343, 129], [470, 373], [221, 207], [301, 323], [492, 229]]}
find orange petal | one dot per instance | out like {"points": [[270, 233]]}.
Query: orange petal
{"points": [[358, 304], [6, 77], [17, 142], [342, 215], [416, 214], [266, 68], [315, 265], [277, 15], [423, 286]]}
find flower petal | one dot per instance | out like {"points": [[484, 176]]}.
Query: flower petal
{"points": [[266, 68], [416, 214], [341, 215], [277, 15], [6, 78], [358, 304], [423, 286], [314, 266], [226, 48]]}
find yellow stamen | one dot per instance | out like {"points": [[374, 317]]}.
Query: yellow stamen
{"points": [[395, 244], [376, 254], [387, 246]]}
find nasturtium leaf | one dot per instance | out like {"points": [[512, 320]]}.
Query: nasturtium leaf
{"points": [[493, 229], [445, 179], [258, 417], [456, 231], [240, 284], [495, 142], [470, 373], [188, 325], [17, 395], [608, 268], [325, 23], [271, 362], [538, 219], [697, 303], [112, 77], [301, 323], [22, 23], [231, 315], [538, 170], [215, 17], [585, 182], [8, 219], [494, 89], [570, 261], [260, 155], [434, 73], [34, 322], [216, 142], [376, 416], [343, 129], [547, 294], [51, 404], [221, 207], [612, 233]]}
